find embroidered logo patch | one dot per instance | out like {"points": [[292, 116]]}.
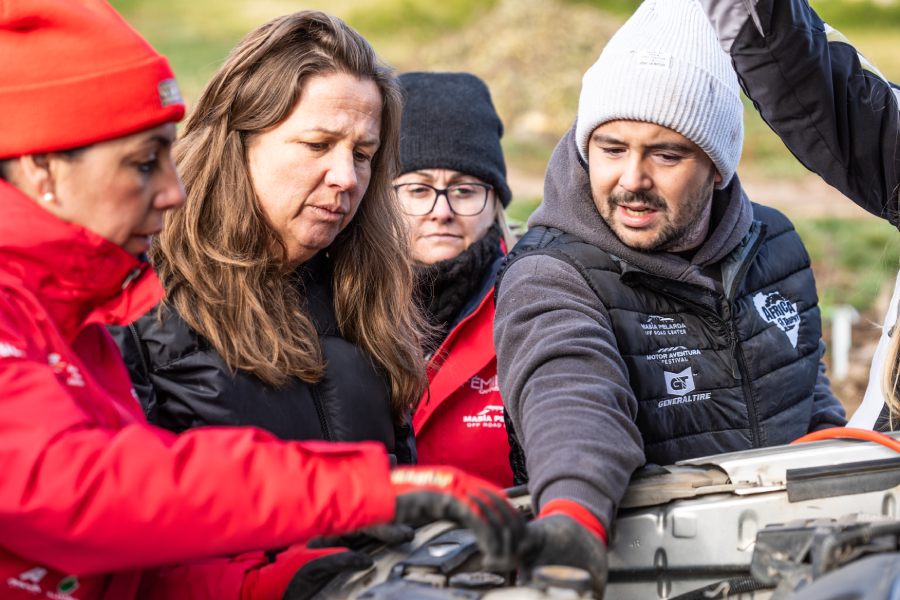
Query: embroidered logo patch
{"points": [[657, 325], [484, 386], [672, 356], [777, 309], [169, 93], [491, 416], [649, 59], [679, 384]]}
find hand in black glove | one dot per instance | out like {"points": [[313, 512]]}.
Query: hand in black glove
{"points": [[388, 535], [425, 494], [314, 575], [566, 537]]}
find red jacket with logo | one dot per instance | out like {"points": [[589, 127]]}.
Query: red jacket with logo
{"points": [[90, 494], [459, 421]]}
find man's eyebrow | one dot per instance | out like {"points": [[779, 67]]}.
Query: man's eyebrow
{"points": [[672, 147], [602, 138]]}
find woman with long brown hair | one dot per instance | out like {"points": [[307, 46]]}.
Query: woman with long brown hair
{"points": [[287, 273], [94, 501]]}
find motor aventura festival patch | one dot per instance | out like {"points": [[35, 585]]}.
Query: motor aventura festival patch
{"points": [[672, 356], [777, 309], [657, 325]]}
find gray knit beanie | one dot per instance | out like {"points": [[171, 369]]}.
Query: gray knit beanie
{"points": [[449, 122], [665, 66]]}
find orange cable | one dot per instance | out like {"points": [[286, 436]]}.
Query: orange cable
{"points": [[849, 432]]}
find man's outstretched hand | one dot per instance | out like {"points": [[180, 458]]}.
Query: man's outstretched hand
{"points": [[431, 493], [565, 533]]}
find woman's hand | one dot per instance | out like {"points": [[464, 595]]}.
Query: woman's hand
{"points": [[427, 494]]}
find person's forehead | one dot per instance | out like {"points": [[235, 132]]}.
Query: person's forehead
{"points": [[640, 133], [435, 174]]}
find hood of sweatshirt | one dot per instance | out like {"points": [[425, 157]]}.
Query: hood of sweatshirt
{"points": [[568, 205]]}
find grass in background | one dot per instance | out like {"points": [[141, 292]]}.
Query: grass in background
{"points": [[531, 155], [854, 260], [420, 20], [764, 155], [521, 208]]}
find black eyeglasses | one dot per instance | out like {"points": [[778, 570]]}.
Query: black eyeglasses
{"points": [[465, 199]]}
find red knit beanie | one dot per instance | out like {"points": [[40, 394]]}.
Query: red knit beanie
{"points": [[72, 73]]}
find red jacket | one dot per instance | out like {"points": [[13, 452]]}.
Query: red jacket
{"points": [[460, 422], [88, 487]]}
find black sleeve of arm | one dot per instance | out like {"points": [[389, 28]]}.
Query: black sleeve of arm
{"points": [[134, 354], [833, 109]]}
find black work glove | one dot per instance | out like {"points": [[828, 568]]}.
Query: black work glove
{"points": [[560, 540], [425, 494], [388, 535], [314, 575]]}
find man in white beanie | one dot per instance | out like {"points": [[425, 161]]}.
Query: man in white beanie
{"points": [[839, 115], [652, 313]]}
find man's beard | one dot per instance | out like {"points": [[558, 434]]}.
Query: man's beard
{"points": [[672, 235]]}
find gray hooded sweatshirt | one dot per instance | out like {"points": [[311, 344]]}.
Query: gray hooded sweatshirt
{"points": [[563, 382]]}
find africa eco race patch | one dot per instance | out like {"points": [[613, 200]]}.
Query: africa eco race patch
{"points": [[491, 416], [672, 356], [777, 309], [656, 325], [169, 93]]}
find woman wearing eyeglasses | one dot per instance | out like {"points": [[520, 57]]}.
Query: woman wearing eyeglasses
{"points": [[453, 190]]}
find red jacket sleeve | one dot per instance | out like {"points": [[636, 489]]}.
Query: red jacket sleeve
{"points": [[86, 498], [219, 579]]}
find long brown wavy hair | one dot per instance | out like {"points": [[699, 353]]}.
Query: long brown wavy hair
{"points": [[222, 263]]}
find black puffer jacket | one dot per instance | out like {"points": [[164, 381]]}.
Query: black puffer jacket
{"points": [[183, 382]]}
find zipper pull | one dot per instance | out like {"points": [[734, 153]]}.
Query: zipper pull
{"points": [[132, 275], [732, 338]]}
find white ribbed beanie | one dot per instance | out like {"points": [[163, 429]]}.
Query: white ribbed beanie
{"points": [[665, 66]]}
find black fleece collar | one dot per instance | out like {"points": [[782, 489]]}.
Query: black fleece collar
{"points": [[446, 287]]}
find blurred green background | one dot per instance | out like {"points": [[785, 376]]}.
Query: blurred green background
{"points": [[532, 54]]}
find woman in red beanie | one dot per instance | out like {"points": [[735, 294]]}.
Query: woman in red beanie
{"points": [[91, 495]]}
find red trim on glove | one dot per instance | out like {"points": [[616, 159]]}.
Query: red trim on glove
{"points": [[577, 513], [444, 480]]}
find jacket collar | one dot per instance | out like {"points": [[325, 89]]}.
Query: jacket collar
{"points": [[78, 276]]}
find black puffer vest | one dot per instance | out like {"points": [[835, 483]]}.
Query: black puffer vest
{"points": [[183, 382], [711, 373]]}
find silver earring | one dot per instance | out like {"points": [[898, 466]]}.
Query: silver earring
{"points": [[49, 197]]}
